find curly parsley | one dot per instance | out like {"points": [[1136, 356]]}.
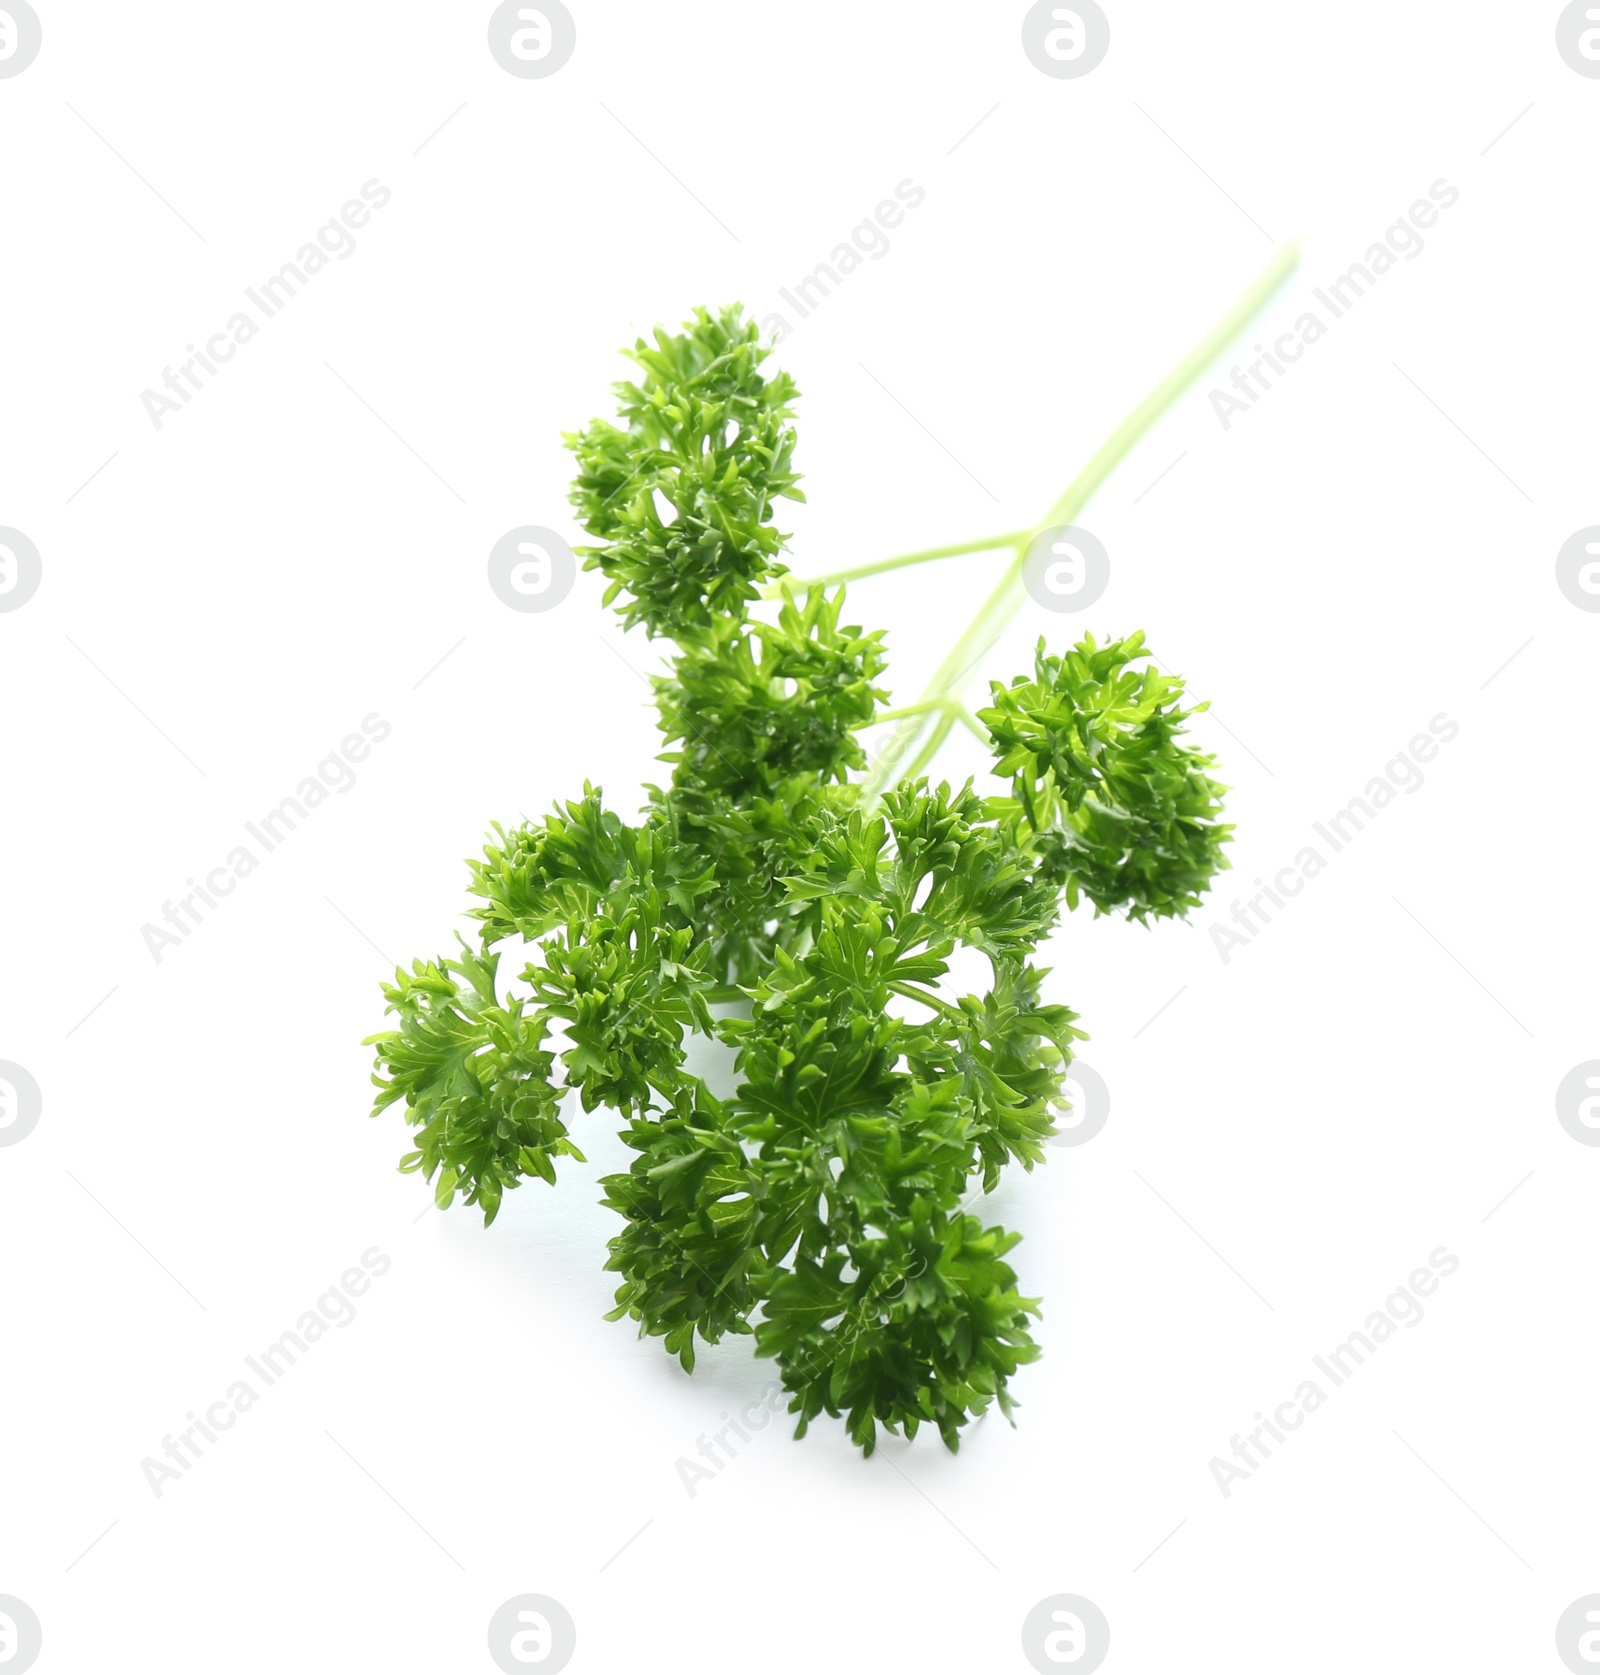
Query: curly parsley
{"points": [[824, 1207]]}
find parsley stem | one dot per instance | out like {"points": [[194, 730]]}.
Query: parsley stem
{"points": [[1002, 604], [950, 709], [912, 992], [956, 549], [973, 725], [921, 707]]}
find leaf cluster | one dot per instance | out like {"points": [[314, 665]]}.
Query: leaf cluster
{"points": [[680, 493], [1093, 749]]}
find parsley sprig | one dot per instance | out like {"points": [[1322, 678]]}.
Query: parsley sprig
{"points": [[783, 898]]}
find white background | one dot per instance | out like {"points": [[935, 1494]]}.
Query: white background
{"points": [[1356, 1088]]}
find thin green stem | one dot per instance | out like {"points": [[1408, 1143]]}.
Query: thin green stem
{"points": [[912, 992], [1256, 297], [956, 549], [920, 708], [997, 610], [973, 725]]}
